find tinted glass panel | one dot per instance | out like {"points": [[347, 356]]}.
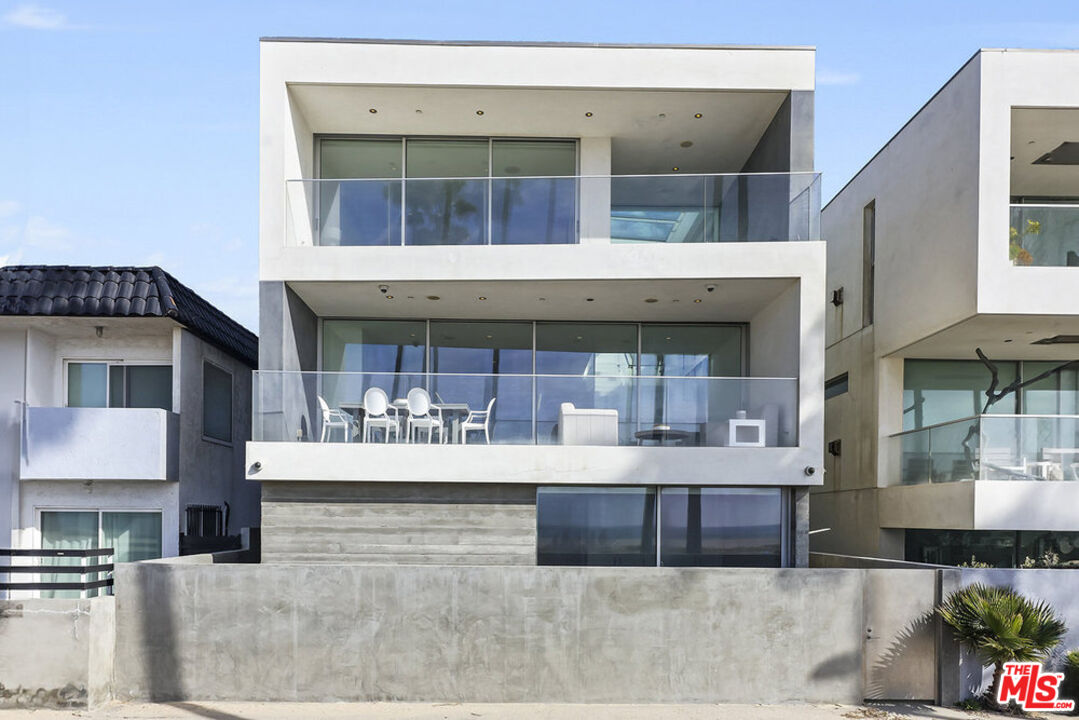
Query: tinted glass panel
{"points": [[389, 352], [360, 158], [540, 205], [740, 527], [488, 351], [481, 347], [361, 212], [87, 384], [216, 403], [440, 211], [133, 535], [149, 386], [66, 531], [936, 391], [586, 348], [691, 350], [1057, 394], [116, 386], [596, 526]]}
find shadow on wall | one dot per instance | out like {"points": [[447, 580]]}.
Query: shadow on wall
{"points": [[906, 650], [838, 666], [154, 596]]}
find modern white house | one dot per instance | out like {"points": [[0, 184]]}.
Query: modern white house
{"points": [[527, 303], [124, 409], [959, 235]]}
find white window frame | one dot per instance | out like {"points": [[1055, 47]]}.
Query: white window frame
{"points": [[39, 535], [109, 364]]}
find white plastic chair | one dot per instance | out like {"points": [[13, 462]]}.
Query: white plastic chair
{"points": [[478, 420], [378, 414], [334, 419], [422, 415]]}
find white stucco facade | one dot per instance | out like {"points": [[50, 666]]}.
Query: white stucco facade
{"points": [[945, 282], [59, 458], [630, 111]]}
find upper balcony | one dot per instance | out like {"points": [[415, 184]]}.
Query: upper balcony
{"points": [[87, 443], [554, 210]]}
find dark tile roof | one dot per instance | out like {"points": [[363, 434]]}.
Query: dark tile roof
{"points": [[59, 290]]}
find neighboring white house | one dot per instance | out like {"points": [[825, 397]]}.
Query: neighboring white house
{"points": [[124, 408], [961, 233], [601, 266]]}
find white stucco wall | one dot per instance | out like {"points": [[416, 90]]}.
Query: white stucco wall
{"points": [[197, 470]]}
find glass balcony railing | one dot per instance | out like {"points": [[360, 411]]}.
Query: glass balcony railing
{"points": [[991, 447], [1045, 235], [554, 210], [528, 409]]}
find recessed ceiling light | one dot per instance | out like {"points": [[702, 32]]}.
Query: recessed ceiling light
{"points": [[651, 300], [433, 297], [697, 300], [481, 297], [686, 143], [372, 111], [662, 115], [1007, 341], [698, 116], [675, 168], [588, 114], [668, 339], [419, 112], [543, 299], [589, 299], [479, 112], [389, 297], [489, 336]]}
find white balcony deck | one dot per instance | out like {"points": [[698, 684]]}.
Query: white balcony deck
{"points": [[59, 443]]}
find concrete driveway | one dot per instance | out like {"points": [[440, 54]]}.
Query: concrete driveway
{"points": [[455, 711]]}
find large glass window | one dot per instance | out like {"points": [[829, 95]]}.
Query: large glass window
{"points": [[98, 384], [365, 209], [936, 391], [440, 210], [741, 527], [588, 365], [480, 362], [691, 350], [389, 353], [534, 193], [596, 526], [132, 535], [216, 403], [457, 191]]}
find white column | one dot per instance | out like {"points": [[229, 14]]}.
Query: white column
{"points": [[595, 191]]}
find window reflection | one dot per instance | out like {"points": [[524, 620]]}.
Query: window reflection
{"points": [[732, 527], [596, 526]]}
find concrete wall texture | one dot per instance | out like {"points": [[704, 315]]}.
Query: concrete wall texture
{"points": [[498, 634], [55, 653], [425, 523]]}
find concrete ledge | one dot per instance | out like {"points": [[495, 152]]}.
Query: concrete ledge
{"points": [[530, 464]]}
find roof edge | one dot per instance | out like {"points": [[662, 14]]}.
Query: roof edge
{"points": [[528, 43]]}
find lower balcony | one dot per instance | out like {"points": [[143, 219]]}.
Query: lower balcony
{"points": [[539, 429], [68, 443]]}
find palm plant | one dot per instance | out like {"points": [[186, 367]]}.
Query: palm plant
{"points": [[1000, 625]]}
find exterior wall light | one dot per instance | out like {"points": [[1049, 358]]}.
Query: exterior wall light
{"points": [[698, 116], [372, 111], [479, 112]]}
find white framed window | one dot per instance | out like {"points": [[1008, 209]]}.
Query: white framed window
{"points": [[216, 403], [133, 534], [116, 384]]}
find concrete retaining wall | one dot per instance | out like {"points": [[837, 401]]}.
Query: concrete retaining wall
{"points": [[56, 653], [416, 523], [487, 634]]}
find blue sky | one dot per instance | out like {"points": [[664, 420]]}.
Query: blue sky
{"points": [[129, 130]]}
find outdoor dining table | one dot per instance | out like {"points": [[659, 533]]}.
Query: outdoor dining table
{"points": [[661, 435], [457, 410]]}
